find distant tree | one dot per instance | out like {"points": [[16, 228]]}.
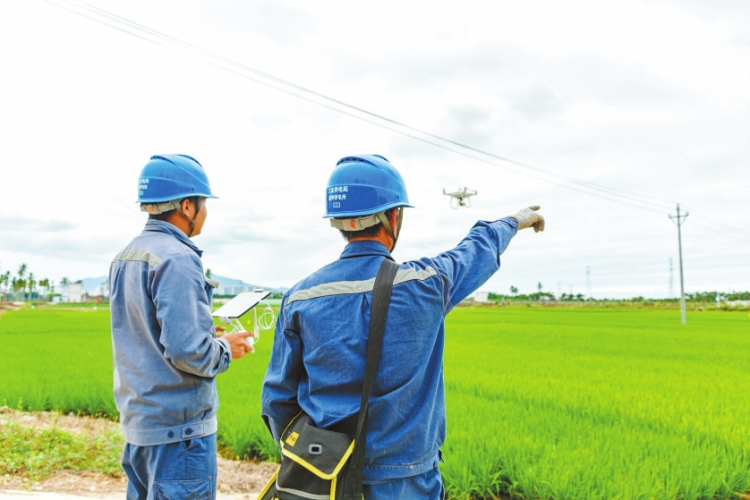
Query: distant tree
{"points": [[542, 296], [539, 286], [19, 284], [208, 273], [30, 285], [21, 277], [44, 285], [513, 290], [4, 282]]}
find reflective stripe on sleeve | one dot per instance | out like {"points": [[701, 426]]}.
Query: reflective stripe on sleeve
{"points": [[138, 255], [351, 287]]}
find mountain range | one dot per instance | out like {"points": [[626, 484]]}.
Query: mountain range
{"points": [[92, 285]]}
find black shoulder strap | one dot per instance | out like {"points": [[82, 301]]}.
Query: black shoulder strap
{"points": [[381, 297]]}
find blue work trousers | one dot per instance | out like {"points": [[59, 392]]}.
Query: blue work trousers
{"points": [[426, 486], [185, 470]]}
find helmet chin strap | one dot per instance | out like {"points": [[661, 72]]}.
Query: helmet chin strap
{"points": [[387, 225]]}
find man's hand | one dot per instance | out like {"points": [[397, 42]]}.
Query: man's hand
{"points": [[528, 217], [237, 342]]}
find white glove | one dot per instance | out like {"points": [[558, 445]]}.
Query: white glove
{"points": [[528, 217]]}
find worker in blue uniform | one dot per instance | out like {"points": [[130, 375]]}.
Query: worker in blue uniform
{"points": [[166, 353], [320, 344]]}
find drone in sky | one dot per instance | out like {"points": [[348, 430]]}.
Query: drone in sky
{"points": [[461, 197]]}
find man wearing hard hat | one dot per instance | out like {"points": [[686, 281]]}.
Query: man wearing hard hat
{"points": [[320, 344], [166, 352]]}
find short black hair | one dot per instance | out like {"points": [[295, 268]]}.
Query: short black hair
{"points": [[164, 216], [369, 232]]}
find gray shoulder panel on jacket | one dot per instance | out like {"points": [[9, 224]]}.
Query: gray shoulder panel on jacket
{"points": [[138, 255], [350, 287]]}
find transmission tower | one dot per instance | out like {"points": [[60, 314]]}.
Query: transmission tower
{"points": [[679, 220], [588, 281]]}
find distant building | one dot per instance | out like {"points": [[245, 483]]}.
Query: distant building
{"points": [[75, 292], [481, 296], [233, 290]]}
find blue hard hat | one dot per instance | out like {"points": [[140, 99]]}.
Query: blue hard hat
{"points": [[172, 177], [362, 185]]}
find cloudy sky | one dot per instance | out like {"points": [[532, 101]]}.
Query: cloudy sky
{"points": [[610, 112]]}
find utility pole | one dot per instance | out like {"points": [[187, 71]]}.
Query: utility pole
{"points": [[588, 281], [679, 220], [671, 279]]}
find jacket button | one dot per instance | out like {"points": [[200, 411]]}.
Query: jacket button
{"points": [[170, 434], [188, 431]]}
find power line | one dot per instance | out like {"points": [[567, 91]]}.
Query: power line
{"points": [[717, 225], [157, 37]]}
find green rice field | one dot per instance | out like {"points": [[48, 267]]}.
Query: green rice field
{"points": [[543, 402]]}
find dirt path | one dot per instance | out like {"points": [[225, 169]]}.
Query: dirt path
{"points": [[31, 495], [237, 479]]}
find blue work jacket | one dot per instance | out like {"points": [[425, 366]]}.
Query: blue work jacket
{"points": [[320, 347], [166, 353]]}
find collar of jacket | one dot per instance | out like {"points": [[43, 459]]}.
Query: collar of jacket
{"points": [[160, 226], [365, 248]]}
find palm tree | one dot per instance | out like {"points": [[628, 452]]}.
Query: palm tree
{"points": [[4, 280], [31, 284], [64, 282], [44, 283], [18, 284], [21, 273]]}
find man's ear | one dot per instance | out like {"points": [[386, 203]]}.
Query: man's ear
{"points": [[185, 205]]}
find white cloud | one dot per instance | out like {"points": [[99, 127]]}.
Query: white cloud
{"points": [[649, 97]]}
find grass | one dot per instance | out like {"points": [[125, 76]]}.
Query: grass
{"points": [[543, 403], [57, 359], [37, 453], [549, 403]]}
